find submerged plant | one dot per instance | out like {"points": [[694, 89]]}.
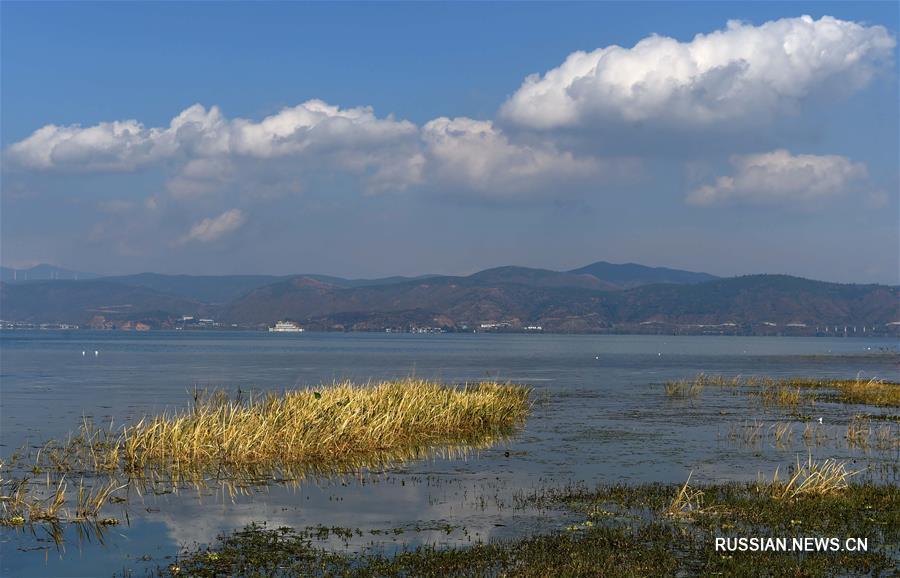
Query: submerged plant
{"points": [[858, 434], [886, 438], [783, 433]]}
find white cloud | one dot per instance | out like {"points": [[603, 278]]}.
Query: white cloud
{"points": [[108, 146], [315, 124], [478, 156], [197, 133], [214, 228], [779, 177], [734, 77], [737, 74], [211, 151]]}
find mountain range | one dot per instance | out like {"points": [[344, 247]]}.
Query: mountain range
{"points": [[601, 297]]}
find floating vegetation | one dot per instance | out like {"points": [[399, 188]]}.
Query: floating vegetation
{"points": [[787, 392]]}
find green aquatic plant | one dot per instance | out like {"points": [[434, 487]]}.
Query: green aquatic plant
{"points": [[645, 542]]}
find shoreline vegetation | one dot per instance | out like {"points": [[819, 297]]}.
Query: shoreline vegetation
{"points": [[332, 430], [622, 530]]}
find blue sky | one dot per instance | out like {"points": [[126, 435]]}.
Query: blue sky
{"points": [[761, 163]]}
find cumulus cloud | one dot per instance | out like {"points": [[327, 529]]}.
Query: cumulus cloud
{"points": [[478, 156], [213, 228], [780, 177], [202, 132], [742, 74], [205, 153], [736, 74], [106, 146], [211, 151]]}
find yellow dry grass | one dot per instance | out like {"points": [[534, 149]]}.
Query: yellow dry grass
{"points": [[787, 392], [335, 424], [868, 392], [329, 430], [684, 388], [812, 479], [686, 502], [780, 395]]}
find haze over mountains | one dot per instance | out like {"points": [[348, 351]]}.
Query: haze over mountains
{"points": [[598, 297], [42, 272]]}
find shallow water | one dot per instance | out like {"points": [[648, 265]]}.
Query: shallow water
{"points": [[602, 415]]}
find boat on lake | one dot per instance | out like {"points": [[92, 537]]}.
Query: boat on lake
{"points": [[286, 327]]}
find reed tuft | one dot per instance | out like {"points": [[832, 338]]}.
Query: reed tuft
{"points": [[812, 479], [333, 424], [686, 502], [684, 388]]}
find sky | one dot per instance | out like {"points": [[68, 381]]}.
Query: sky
{"points": [[378, 139]]}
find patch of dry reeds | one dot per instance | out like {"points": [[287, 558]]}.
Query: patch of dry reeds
{"points": [[812, 479], [328, 425]]}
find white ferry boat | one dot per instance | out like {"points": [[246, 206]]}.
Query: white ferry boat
{"points": [[286, 327]]}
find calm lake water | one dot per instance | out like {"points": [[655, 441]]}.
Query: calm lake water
{"points": [[602, 416]]}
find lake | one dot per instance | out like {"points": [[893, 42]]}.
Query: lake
{"points": [[601, 415]]}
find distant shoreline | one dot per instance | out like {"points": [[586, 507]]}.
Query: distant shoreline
{"points": [[277, 335]]}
